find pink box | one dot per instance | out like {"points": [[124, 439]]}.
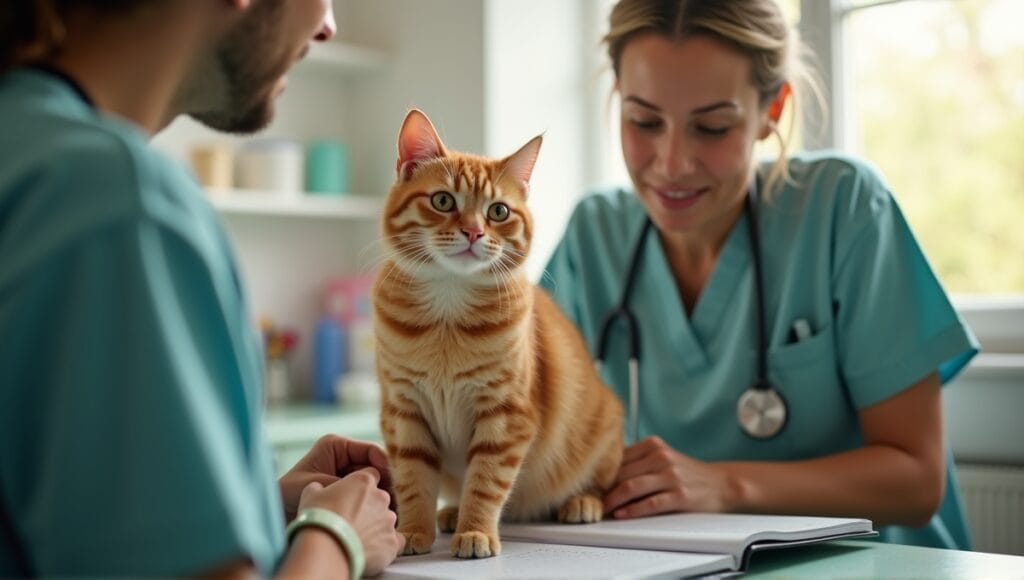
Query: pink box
{"points": [[347, 299]]}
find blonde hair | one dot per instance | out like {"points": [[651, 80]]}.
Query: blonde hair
{"points": [[757, 28]]}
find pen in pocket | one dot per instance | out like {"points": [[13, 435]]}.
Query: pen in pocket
{"points": [[800, 331]]}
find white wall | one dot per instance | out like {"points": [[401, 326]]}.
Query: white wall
{"points": [[437, 65], [536, 83]]}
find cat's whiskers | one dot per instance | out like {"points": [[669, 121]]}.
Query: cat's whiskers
{"points": [[499, 283], [545, 275], [384, 243], [504, 272], [505, 284], [409, 251], [392, 266], [416, 258], [418, 266], [383, 252], [512, 255]]}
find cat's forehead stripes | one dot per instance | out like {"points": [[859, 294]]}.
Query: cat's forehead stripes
{"points": [[475, 177]]}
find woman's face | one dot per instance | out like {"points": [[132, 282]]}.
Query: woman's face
{"points": [[689, 120]]}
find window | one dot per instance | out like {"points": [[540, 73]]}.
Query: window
{"points": [[937, 102], [932, 92]]}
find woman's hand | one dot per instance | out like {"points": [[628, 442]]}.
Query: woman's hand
{"points": [[331, 458], [656, 479], [357, 497]]}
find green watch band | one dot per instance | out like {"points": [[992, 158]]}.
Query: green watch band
{"points": [[339, 528]]}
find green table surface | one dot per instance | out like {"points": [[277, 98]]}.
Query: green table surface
{"points": [[870, 559]]}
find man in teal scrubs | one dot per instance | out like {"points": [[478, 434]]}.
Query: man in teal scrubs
{"points": [[130, 372], [858, 333]]}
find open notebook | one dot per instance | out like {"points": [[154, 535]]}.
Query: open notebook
{"points": [[661, 546]]}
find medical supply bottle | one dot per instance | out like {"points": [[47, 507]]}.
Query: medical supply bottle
{"points": [[329, 355]]}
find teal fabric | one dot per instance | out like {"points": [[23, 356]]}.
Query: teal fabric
{"points": [[837, 252], [130, 433]]}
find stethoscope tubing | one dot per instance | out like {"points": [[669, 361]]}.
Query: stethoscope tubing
{"points": [[621, 312], [761, 410]]}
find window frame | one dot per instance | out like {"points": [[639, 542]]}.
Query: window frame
{"points": [[997, 320]]}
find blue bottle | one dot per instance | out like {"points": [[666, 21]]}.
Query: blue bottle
{"points": [[328, 359]]}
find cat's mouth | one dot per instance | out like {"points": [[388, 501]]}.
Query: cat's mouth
{"points": [[466, 254]]}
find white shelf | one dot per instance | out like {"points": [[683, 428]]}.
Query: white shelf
{"points": [[344, 57], [297, 204]]}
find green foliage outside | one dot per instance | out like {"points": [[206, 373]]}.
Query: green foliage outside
{"points": [[944, 121]]}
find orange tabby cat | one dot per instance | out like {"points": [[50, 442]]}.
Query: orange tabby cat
{"points": [[489, 394]]}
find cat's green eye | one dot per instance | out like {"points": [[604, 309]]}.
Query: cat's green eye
{"points": [[443, 201], [498, 212]]}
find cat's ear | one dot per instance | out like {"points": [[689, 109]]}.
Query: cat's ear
{"points": [[520, 164], [417, 142]]}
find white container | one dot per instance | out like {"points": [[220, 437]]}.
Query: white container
{"points": [[358, 390], [362, 346], [272, 165]]}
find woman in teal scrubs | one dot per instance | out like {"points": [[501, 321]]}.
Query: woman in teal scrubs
{"points": [[858, 333]]}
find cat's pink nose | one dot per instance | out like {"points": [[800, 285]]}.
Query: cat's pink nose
{"points": [[473, 234]]}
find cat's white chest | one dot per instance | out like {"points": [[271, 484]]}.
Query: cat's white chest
{"points": [[446, 298], [452, 423]]}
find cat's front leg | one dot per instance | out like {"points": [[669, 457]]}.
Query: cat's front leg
{"points": [[588, 507], [498, 447], [415, 464]]}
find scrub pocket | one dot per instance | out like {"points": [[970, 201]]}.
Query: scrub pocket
{"points": [[817, 347], [806, 374]]}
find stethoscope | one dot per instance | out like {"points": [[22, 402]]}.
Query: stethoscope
{"points": [[761, 411]]}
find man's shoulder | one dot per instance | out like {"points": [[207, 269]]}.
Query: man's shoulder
{"points": [[63, 156], [89, 174], [66, 178], [55, 144]]}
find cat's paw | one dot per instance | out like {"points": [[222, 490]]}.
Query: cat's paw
{"points": [[581, 509], [475, 545], [447, 518], [417, 543]]}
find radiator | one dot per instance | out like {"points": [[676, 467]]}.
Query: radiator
{"points": [[993, 497]]}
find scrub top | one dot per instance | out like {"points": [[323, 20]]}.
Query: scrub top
{"points": [[837, 253], [130, 374]]}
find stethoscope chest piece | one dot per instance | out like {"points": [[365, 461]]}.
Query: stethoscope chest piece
{"points": [[761, 412]]}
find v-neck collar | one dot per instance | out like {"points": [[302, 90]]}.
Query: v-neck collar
{"points": [[695, 331]]}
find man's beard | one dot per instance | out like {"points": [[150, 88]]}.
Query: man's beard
{"points": [[245, 58]]}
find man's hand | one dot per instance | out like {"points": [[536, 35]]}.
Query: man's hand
{"points": [[358, 498], [331, 458]]}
